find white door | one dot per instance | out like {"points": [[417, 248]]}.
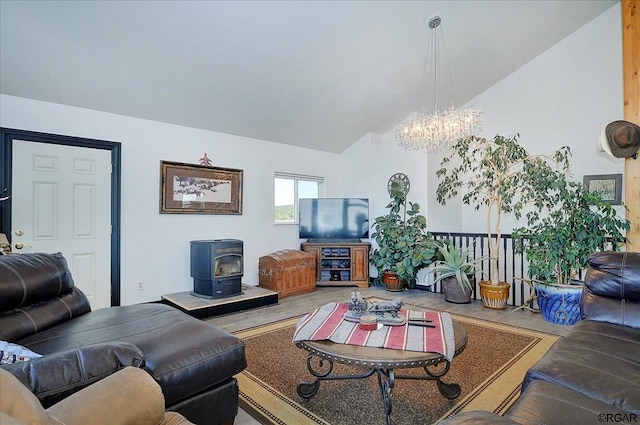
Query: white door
{"points": [[61, 201]]}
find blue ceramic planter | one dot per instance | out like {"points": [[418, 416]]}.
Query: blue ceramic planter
{"points": [[559, 304]]}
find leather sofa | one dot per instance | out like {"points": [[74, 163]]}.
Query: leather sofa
{"points": [[107, 402], [41, 309], [591, 375]]}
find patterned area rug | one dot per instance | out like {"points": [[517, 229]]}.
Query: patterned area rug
{"points": [[490, 371]]}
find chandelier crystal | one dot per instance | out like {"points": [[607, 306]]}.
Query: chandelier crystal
{"points": [[436, 125]]}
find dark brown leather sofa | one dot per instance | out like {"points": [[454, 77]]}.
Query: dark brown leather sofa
{"points": [[41, 309], [592, 375]]}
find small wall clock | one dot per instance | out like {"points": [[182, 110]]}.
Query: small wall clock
{"points": [[398, 182]]}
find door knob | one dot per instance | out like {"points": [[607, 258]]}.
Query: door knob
{"points": [[19, 245]]}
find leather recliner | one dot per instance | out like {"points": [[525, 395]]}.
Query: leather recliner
{"points": [[41, 309]]}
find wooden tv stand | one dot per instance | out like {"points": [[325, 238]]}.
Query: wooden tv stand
{"points": [[340, 263]]}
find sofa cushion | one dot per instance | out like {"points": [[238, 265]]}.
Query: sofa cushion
{"points": [[47, 276], [25, 321], [177, 347], [597, 359], [612, 288], [614, 275], [37, 293], [546, 403], [603, 309]]}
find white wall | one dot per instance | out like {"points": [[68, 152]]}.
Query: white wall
{"points": [[565, 96], [370, 163], [155, 247]]}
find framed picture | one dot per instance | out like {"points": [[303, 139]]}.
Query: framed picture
{"points": [[607, 186], [198, 189]]}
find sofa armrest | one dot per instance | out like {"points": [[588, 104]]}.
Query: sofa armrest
{"points": [[110, 401], [56, 376]]}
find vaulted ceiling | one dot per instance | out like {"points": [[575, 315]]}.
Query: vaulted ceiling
{"points": [[318, 74]]}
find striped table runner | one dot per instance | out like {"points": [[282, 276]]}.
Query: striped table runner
{"points": [[327, 323]]}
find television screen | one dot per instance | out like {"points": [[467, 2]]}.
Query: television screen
{"points": [[334, 218]]}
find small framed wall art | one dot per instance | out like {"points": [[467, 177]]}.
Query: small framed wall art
{"points": [[607, 186], [198, 189]]}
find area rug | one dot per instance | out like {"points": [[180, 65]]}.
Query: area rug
{"points": [[489, 371]]}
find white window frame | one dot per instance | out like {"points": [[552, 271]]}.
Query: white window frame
{"points": [[296, 178]]}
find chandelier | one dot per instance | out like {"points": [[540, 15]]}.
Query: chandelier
{"points": [[436, 124]]}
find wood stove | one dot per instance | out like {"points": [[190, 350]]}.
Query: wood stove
{"points": [[217, 268]]}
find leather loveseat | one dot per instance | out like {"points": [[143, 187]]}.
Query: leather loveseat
{"points": [[41, 309], [591, 375]]}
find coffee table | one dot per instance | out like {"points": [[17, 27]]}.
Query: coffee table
{"points": [[380, 361]]}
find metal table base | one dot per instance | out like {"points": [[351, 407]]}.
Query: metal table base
{"points": [[381, 362]]}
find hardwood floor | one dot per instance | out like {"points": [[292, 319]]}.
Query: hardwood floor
{"points": [[301, 304]]}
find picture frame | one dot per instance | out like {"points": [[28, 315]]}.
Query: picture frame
{"points": [[608, 186], [199, 189]]}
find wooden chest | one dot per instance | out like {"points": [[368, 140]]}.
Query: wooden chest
{"points": [[289, 272]]}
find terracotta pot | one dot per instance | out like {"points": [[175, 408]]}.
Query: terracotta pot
{"points": [[454, 293], [494, 296], [392, 282]]}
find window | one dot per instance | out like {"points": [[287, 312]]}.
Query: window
{"points": [[288, 189]]}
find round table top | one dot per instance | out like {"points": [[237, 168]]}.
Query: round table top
{"points": [[381, 358]]}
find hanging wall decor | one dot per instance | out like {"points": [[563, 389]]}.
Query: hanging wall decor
{"points": [[205, 160], [607, 186], [199, 189]]}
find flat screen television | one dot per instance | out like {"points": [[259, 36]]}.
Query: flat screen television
{"points": [[334, 218]]}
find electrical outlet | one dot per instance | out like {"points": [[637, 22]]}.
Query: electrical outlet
{"points": [[140, 286]]}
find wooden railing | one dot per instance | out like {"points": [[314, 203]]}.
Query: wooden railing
{"points": [[512, 266]]}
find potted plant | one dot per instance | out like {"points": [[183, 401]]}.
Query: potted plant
{"points": [[456, 272], [404, 245], [557, 245], [502, 176]]}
